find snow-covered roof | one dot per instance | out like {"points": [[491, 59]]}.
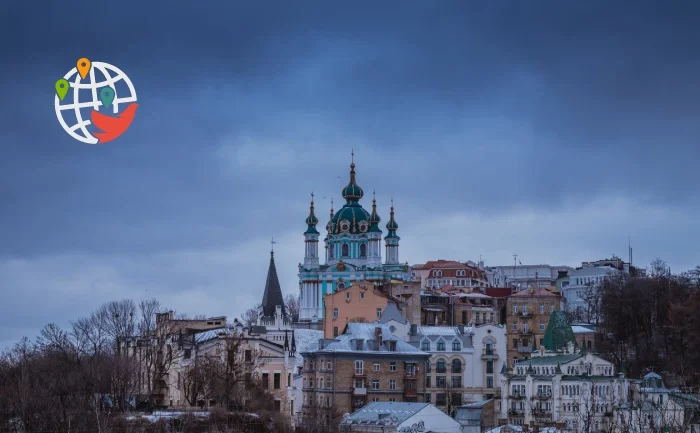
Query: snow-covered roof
{"points": [[397, 412], [210, 334], [592, 271], [578, 329], [475, 295], [306, 341], [365, 331], [446, 331]]}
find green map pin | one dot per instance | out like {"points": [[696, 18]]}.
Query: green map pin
{"points": [[107, 96], [62, 87]]}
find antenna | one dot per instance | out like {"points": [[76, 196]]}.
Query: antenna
{"points": [[515, 260]]}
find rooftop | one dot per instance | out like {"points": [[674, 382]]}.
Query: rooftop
{"points": [[549, 360], [365, 333], [397, 412]]}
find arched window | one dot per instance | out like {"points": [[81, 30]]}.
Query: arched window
{"points": [[363, 250], [345, 250], [440, 366], [456, 366]]}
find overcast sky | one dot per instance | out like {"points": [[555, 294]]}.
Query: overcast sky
{"points": [[548, 130]]}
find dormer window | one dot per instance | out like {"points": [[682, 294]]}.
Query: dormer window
{"points": [[392, 346]]}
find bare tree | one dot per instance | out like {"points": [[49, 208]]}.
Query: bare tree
{"points": [[250, 316], [291, 301]]}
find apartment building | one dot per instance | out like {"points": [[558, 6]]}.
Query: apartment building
{"points": [[449, 306], [366, 363], [527, 316]]}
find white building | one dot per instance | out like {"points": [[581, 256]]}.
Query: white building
{"points": [[395, 417], [465, 362], [582, 293], [575, 390], [523, 276]]}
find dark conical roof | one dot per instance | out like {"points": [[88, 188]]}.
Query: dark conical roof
{"points": [[273, 292]]}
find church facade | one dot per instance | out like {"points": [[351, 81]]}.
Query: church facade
{"points": [[352, 251]]}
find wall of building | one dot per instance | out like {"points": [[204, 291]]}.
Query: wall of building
{"points": [[540, 305], [360, 300]]}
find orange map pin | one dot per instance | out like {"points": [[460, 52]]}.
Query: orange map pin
{"points": [[83, 67]]}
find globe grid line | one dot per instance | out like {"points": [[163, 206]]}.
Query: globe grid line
{"points": [[76, 86]]}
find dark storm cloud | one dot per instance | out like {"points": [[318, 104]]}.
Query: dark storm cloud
{"points": [[553, 129]]}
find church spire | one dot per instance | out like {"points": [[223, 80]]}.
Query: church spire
{"points": [[272, 296], [311, 220], [352, 191]]}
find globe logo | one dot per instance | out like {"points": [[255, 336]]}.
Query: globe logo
{"points": [[95, 102]]}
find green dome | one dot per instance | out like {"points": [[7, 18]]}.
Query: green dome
{"points": [[352, 192], [391, 226], [311, 220], [351, 218]]}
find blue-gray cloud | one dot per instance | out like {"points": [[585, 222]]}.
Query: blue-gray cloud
{"points": [[465, 112]]}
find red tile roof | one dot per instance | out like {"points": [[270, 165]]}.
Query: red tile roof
{"points": [[498, 292], [535, 292]]}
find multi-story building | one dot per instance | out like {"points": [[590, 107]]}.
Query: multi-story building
{"points": [[464, 364], [448, 306], [582, 293], [271, 363], [576, 392], [438, 273], [353, 251], [523, 276], [408, 293], [366, 363], [158, 351], [527, 317], [358, 301]]}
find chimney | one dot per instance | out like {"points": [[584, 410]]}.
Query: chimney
{"points": [[378, 336]]}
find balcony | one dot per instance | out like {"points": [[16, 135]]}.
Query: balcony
{"points": [[359, 391], [410, 392], [516, 412], [542, 395], [308, 370], [442, 370], [517, 395], [527, 331], [359, 373], [325, 370], [524, 349], [409, 375], [525, 314], [489, 354]]}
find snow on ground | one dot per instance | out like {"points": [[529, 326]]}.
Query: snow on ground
{"points": [[158, 415], [517, 429], [307, 341]]}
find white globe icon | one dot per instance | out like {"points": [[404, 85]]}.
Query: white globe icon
{"points": [[72, 101]]}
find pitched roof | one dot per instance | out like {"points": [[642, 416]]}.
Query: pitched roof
{"points": [[549, 360], [400, 411], [365, 331], [273, 292], [391, 312], [498, 292]]}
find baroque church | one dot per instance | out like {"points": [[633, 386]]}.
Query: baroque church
{"points": [[352, 251]]}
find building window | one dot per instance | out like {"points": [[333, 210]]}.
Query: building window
{"points": [[515, 309], [392, 366], [379, 312], [335, 331], [375, 366], [456, 381], [456, 347], [345, 250], [489, 367], [347, 295], [277, 381], [515, 343], [248, 357], [427, 397], [362, 295], [441, 346], [375, 384], [335, 310], [515, 326], [464, 317], [392, 384], [440, 399], [541, 308], [428, 366], [440, 367], [188, 353], [440, 382], [359, 367], [425, 346], [265, 380], [363, 250], [542, 327], [456, 366], [551, 308], [489, 381], [427, 382]]}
